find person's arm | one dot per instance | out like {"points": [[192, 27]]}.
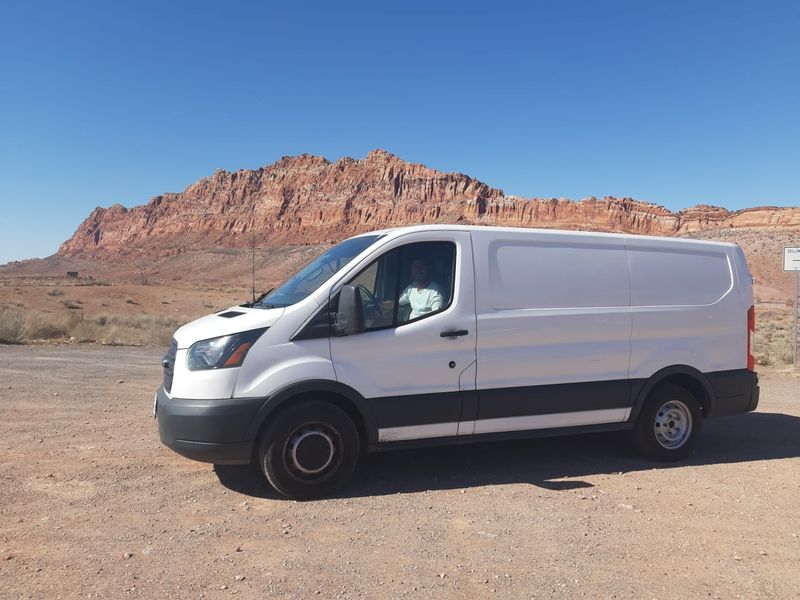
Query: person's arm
{"points": [[437, 300], [404, 301]]}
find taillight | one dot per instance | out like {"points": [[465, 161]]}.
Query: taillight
{"points": [[751, 328]]}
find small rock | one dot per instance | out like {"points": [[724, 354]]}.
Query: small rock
{"points": [[128, 555], [737, 557], [120, 381], [762, 552], [239, 578], [238, 548], [223, 587], [442, 575]]}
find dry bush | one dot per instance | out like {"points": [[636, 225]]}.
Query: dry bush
{"points": [[772, 343], [20, 326], [139, 329], [89, 330], [72, 304], [46, 326], [12, 325]]}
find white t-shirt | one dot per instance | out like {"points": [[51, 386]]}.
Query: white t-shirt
{"points": [[422, 301]]}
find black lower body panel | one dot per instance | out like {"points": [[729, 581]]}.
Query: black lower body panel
{"points": [[213, 431], [735, 391]]}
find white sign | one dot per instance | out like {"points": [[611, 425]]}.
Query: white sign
{"points": [[791, 259]]}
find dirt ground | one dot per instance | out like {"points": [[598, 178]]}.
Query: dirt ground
{"points": [[94, 506]]}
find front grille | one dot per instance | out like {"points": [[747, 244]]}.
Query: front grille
{"points": [[168, 362]]}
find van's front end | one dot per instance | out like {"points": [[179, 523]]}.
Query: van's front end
{"points": [[198, 413], [221, 370]]}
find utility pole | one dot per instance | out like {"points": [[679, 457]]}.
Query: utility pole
{"points": [[253, 246], [791, 262]]}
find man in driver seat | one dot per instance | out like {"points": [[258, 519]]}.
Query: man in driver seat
{"points": [[422, 295]]}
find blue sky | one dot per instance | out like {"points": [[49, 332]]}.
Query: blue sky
{"points": [[673, 102]]}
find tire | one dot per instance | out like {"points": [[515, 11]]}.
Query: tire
{"points": [[309, 450], [669, 424]]}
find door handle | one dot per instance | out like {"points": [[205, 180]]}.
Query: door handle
{"points": [[453, 334]]}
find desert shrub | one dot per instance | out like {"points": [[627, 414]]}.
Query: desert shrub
{"points": [[12, 325], [17, 326], [136, 330], [46, 326], [20, 326], [55, 292], [772, 344], [72, 304], [763, 358]]}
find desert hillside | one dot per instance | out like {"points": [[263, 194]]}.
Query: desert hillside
{"points": [[298, 205], [309, 200], [141, 271]]}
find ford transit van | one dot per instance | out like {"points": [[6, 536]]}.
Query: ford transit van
{"points": [[451, 334]]}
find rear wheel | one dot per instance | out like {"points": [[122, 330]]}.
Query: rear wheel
{"points": [[669, 424], [309, 450]]}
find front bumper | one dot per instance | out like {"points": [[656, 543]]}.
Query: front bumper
{"points": [[213, 431]]}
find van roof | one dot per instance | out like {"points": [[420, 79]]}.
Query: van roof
{"points": [[555, 232]]}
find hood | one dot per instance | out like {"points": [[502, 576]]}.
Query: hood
{"points": [[225, 322]]}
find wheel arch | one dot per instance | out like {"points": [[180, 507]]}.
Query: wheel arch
{"points": [[343, 396], [684, 376]]}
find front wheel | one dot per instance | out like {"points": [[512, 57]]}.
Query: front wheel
{"points": [[309, 450], [669, 424]]}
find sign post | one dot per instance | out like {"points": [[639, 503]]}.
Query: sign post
{"points": [[791, 262]]}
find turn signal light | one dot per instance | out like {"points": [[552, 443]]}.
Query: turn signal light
{"points": [[237, 358]]}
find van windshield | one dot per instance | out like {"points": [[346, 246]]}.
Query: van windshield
{"points": [[317, 272]]}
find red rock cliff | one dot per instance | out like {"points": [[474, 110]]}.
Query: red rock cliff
{"points": [[307, 199]]}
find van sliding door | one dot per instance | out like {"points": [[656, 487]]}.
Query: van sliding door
{"points": [[554, 329]]}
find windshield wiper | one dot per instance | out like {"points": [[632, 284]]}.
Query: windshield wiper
{"points": [[258, 301]]}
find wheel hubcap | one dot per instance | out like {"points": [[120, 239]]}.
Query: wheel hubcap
{"points": [[673, 424], [312, 452]]}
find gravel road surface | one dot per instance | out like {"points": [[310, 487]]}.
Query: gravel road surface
{"points": [[92, 505]]}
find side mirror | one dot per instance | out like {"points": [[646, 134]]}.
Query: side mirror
{"points": [[350, 314]]}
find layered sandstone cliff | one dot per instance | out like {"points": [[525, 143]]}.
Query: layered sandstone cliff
{"points": [[309, 200]]}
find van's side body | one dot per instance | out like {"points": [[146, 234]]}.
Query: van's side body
{"points": [[539, 332]]}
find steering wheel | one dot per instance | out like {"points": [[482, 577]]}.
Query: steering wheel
{"points": [[371, 303]]}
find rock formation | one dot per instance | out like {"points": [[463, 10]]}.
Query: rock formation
{"points": [[309, 200]]}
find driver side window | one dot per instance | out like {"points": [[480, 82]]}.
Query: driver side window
{"points": [[405, 284], [377, 285]]}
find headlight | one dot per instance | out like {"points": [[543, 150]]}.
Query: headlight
{"points": [[222, 352]]}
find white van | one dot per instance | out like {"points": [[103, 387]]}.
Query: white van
{"points": [[449, 334]]}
